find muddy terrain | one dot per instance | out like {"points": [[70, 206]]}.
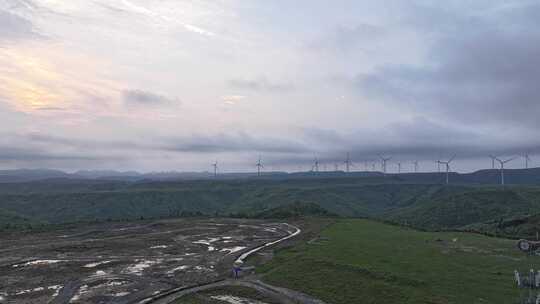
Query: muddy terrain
{"points": [[124, 262]]}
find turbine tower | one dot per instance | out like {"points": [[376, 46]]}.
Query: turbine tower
{"points": [[502, 162], [215, 165], [383, 162], [399, 167], [415, 163], [527, 160], [315, 167], [348, 163], [493, 158], [259, 166], [447, 164]]}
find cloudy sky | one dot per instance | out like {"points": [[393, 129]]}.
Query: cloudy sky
{"points": [[157, 85]]}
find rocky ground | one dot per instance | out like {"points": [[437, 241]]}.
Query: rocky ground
{"points": [[123, 262]]}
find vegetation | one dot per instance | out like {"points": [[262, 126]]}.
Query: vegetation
{"points": [[378, 263], [423, 206], [482, 208]]}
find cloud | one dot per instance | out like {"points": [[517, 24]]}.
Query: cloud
{"points": [[139, 97], [14, 27], [481, 75], [362, 36], [197, 143], [240, 142], [232, 99], [8, 153], [198, 30], [261, 84]]}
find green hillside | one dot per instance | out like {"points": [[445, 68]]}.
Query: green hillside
{"points": [[377, 263], [424, 206]]}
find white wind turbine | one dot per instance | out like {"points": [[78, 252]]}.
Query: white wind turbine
{"points": [[527, 160], [315, 167], [416, 166], [215, 165], [383, 162], [259, 166], [503, 162], [348, 163], [493, 158], [447, 164]]}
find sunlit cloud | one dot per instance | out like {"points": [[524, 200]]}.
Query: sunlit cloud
{"points": [[232, 99]]}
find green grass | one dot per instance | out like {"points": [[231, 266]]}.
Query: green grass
{"points": [[369, 262]]}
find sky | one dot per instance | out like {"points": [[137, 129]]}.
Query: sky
{"points": [[171, 85]]}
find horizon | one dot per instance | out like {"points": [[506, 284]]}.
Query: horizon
{"points": [[272, 171]]}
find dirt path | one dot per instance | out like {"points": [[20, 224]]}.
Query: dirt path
{"points": [[283, 295]]}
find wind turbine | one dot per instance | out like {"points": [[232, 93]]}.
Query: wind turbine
{"points": [[527, 159], [315, 167], [493, 158], [259, 166], [502, 162], [415, 163], [348, 163], [447, 164], [399, 167], [383, 162], [215, 168]]}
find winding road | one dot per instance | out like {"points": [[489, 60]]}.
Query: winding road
{"points": [[284, 295]]}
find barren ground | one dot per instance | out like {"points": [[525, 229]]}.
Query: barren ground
{"points": [[123, 262]]}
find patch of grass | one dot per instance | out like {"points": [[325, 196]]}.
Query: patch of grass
{"points": [[372, 262]]}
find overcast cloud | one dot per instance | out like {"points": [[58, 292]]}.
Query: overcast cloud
{"points": [[174, 85]]}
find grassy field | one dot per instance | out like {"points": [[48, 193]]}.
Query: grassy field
{"points": [[362, 260]]}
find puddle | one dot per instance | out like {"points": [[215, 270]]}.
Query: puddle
{"points": [[183, 267], [56, 288], [38, 263], [236, 300], [141, 265], [82, 290], [92, 265], [232, 249], [120, 294]]}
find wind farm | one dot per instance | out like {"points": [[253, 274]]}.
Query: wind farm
{"points": [[269, 152]]}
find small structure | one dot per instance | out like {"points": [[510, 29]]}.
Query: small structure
{"points": [[528, 282], [237, 268]]}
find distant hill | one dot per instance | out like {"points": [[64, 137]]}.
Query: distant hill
{"points": [[25, 175], [422, 205], [482, 177], [296, 209]]}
